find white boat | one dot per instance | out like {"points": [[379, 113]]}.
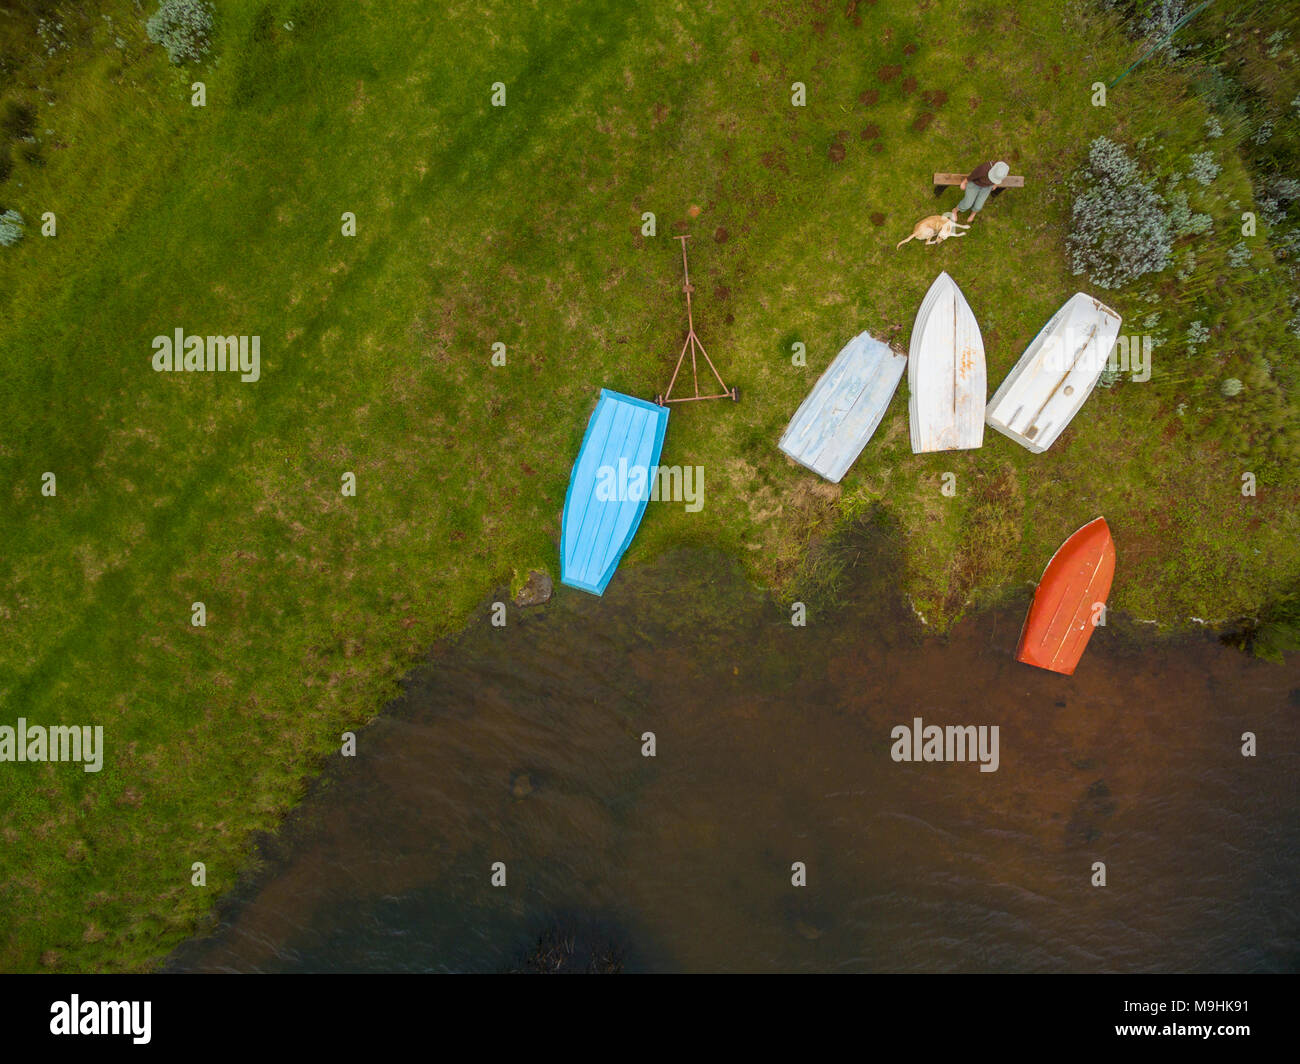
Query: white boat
{"points": [[833, 425], [945, 372], [1057, 372]]}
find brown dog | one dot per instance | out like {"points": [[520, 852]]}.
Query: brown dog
{"points": [[935, 229]]}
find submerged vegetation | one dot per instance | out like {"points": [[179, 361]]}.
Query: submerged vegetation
{"points": [[573, 946], [525, 226]]}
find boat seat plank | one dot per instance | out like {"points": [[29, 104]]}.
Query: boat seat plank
{"points": [[1011, 180]]}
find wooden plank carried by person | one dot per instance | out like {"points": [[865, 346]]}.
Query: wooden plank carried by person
{"points": [[1011, 181]]}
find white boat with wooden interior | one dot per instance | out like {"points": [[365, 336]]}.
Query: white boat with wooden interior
{"points": [[1057, 372]]}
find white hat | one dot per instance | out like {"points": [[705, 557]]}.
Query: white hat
{"points": [[998, 172]]}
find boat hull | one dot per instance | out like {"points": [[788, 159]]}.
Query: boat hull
{"points": [[1062, 616], [609, 488], [1056, 374], [844, 409], [945, 372]]}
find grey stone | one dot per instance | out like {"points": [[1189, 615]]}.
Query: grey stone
{"points": [[535, 591]]}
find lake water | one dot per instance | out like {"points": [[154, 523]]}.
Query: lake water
{"points": [[523, 745]]}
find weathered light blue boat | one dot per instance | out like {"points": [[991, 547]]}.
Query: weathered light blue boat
{"points": [[609, 488], [833, 425]]}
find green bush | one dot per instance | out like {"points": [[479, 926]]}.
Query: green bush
{"points": [[19, 120]]}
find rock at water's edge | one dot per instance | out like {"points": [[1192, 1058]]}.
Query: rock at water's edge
{"points": [[536, 591]]}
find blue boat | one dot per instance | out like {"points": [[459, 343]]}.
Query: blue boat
{"points": [[833, 425], [609, 488]]}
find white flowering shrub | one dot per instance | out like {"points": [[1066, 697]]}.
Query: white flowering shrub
{"points": [[1230, 387], [1109, 377], [1204, 168], [1119, 227], [1238, 255], [11, 228], [1153, 19], [1183, 221], [1286, 188], [183, 27]]}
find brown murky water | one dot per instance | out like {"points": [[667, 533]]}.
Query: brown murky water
{"points": [[773, 746]]}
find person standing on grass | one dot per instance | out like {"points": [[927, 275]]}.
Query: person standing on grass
{"points": [[978, 184]]}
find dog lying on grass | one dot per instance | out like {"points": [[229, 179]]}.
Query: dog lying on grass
{"points": [[935, 229]]}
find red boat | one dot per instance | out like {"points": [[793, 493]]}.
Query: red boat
{"points": [[1060, 621]]}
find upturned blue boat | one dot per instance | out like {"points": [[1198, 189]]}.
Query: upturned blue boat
{"points": [[609, 488]]}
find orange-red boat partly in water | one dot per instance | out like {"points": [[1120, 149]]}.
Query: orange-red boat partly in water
{"points": [[1061, 620]]}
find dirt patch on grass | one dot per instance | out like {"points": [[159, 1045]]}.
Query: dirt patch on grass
{"points": [[869, 97], [935, 99], [359, 100], [886, 74], [659, 114], [753, 57], [922, 121], [869, 132], [877, 219], [877, 147], [721, 293], [807, 514], [851, 12], [990, 532], [720, 235], [837, 149], [909, 49], [909, 85], [774, 160]]}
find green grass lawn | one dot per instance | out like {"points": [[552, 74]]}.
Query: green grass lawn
{"points": [[522, 225]]}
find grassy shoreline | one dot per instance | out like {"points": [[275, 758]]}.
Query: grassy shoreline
{"points": [[520, 225]]}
